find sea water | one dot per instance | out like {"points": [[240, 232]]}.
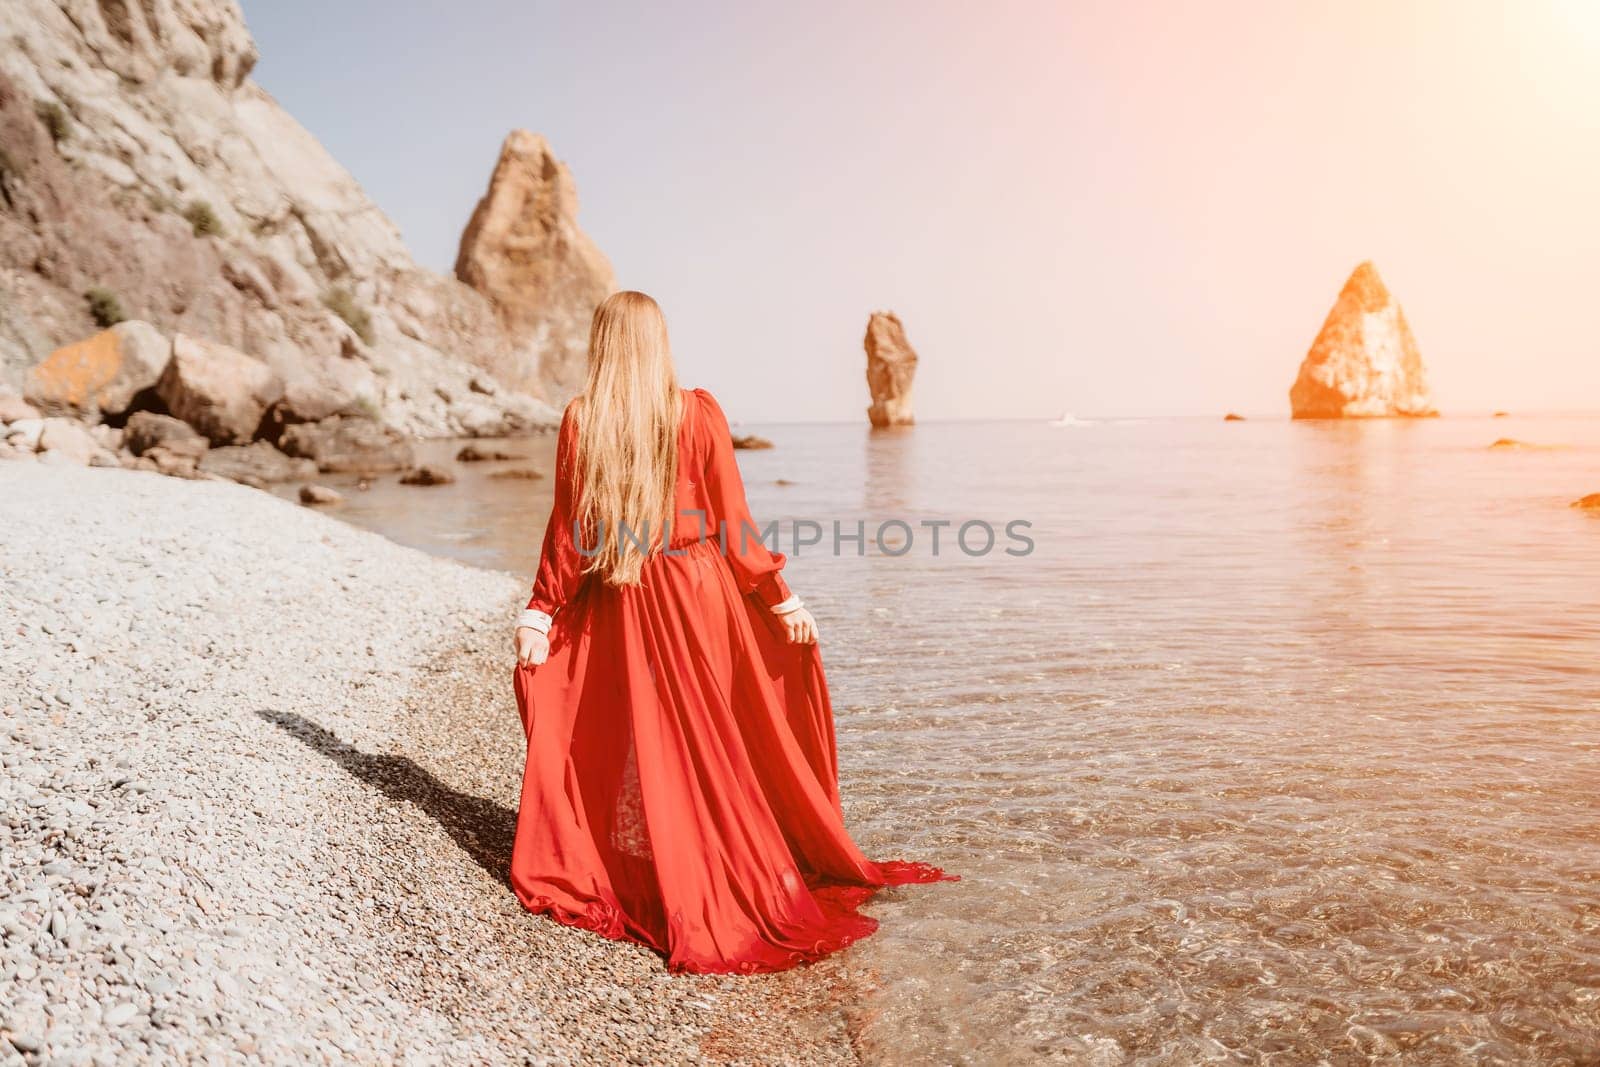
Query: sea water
{"points": [[1281, 743]]}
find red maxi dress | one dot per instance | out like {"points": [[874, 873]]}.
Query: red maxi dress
{"points": [[681, 788]]}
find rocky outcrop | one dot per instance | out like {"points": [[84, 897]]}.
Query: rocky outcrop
{"points": [[144, 174], [523, 250], [257, 464], [222, 393], [147, 430], [102, 375], [891, 365], [1364, 362], [345, 443]]}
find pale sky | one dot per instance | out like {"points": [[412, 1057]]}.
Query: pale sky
{"points": [[1107, 208]]}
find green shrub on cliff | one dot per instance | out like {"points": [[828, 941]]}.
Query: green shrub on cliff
{"points": [[55, 119], [104, 307], [8, 171], [343, 304], [202, 219]]}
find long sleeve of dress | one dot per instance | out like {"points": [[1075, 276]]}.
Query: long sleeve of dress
{"points": [[756, 568], [560, 565]]}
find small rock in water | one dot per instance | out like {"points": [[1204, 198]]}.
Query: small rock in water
{"points": [[750, 440], [478, 454], [1588, 503], [526, 474], [319, 494], [1231, 417], [427, 475]]}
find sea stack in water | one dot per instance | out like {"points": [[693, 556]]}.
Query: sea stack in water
{"points": [[891, 364], [1364, 363], [524, 251]]}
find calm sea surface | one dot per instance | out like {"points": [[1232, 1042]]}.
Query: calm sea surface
{"points": [[1283, 744]]}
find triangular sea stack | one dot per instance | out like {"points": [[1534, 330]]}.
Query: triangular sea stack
{"points": [[1364, 362]]}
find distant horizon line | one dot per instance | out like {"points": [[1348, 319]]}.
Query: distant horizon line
{"points": [[1245, 416]]}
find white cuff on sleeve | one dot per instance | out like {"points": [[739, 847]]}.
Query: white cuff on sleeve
{"points": [[794, 603], [534, 620]]}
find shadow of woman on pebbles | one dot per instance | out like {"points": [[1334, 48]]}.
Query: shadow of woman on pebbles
{"points": [[482, 829]]}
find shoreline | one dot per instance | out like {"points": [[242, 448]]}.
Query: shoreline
{"points": [[264, 766]]}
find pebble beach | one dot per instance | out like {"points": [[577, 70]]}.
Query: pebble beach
{"points": [[260, 778]]}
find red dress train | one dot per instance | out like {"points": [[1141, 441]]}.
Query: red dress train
{"points": [[681, 788]]}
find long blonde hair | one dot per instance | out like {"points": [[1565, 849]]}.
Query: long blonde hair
{"points": [[628, 417]]}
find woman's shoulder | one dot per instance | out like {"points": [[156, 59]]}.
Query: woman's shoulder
{"points": [[704, 399]]}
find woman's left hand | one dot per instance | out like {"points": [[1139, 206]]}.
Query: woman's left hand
{"points": [[799, 627]]}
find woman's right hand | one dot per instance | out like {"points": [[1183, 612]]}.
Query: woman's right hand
{"points": [[533, 647], [799, 627]]}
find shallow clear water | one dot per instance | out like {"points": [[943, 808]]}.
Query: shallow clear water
{"points": [[1283, 743]]}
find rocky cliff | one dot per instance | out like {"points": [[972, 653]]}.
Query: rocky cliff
{"points": [[143, 175], [523, 250], [1364, 361], [891, 365]]}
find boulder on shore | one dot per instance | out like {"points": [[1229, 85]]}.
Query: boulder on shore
{"points": [[218, 390], [146, 430], [23, 434], [312, 495], [163, 460], [67, 441], [257, 464], [524, 251], [101, 375], [14, 409], [1364, 362], [349, 443], [891, 365]]}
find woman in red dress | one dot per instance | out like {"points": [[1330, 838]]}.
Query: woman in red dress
{"points": [[681, 789]]}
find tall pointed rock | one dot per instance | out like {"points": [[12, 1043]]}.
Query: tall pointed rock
{"points": [[891, 365], [1364, 362], [524, 251]]}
